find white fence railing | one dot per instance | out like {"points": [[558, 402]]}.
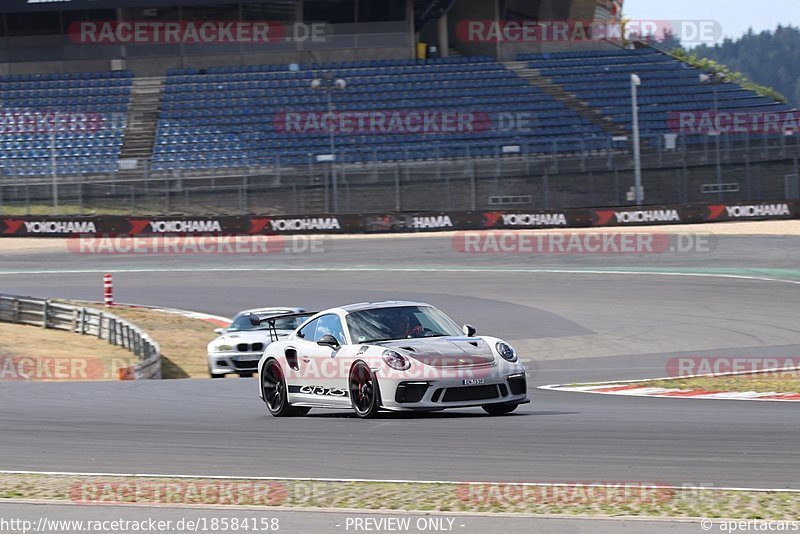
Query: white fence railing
{"points": [[91, 322]]}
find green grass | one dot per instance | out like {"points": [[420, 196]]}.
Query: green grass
{"points": [[63, 209]]}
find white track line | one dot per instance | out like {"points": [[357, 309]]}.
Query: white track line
{"points": [[706, 375], [450, 482], [402, 270], [588, 387]]}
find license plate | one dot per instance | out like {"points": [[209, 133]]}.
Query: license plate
{"points": [[244, 359], [473, 382]]}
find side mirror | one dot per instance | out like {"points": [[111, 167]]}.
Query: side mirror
{"points": [[254, 319], [219, 331], [469, 330], [328, 341]]}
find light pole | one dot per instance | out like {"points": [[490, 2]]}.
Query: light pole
{"points": [[53, 161], [636, 81], [329, 84], [715, 80]]}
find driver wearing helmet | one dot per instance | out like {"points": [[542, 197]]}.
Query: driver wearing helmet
{"points": [[406, 325]]}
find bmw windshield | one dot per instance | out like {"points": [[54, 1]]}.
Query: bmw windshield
{"points": [[385, 324]]}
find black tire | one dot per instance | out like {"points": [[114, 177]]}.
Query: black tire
{"points": [[213, 375], [499, 409], [245, 375], [364, 391], [273, 387]]}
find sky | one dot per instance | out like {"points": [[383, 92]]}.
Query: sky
{"points": [[735, 16]]}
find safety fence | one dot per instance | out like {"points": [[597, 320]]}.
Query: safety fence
{"points": [[576, 174], [91, 322]]}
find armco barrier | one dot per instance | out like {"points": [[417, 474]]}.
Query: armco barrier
{"points": [[87, 321], [115, 225]]}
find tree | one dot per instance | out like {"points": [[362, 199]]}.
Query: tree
{"points": [[769, 58]]}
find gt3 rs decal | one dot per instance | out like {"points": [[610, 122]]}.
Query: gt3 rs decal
{"points": [[318, 390]]}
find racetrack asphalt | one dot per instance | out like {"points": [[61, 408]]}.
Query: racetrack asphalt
{"points": [[574, 318]]}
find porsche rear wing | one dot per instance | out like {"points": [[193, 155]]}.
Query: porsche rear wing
{"points": [[255, 320]]}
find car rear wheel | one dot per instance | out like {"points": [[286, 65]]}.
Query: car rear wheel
{"points": [[499, 409], [364, 392], [273, 386]]}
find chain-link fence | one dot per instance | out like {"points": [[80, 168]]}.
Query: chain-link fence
{"points": [[764, 168]]}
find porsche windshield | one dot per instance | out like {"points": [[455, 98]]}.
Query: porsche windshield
{"points": [[384, 324]]}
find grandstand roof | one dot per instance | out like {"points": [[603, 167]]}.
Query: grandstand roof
{"points": [[11, 6]]}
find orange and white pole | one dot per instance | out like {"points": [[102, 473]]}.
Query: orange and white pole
{"points": [[108, 290]]}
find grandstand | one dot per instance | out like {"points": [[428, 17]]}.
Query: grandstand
{"points": [[72, 117], [601, 78], [228, 114], [190, 112]]}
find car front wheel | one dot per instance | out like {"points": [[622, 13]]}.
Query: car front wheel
{"points": [[273, 387], [364, 392]]}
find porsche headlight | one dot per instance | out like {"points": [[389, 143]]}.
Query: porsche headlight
{"points": [[396, 361], [223, 348], [506, 351]]}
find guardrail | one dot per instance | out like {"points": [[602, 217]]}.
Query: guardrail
{"points": [[87, 321]]}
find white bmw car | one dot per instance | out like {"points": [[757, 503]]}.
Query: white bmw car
{"points": [[398, 356], [239, 347]]}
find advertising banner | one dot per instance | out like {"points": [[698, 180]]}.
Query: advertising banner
{"points": [[392, 222]]}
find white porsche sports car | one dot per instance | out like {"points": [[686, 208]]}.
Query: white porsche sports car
{"points": [[239, 347], [398, 356]]}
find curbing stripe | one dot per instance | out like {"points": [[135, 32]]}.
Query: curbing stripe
{"points": [[209, 318]]}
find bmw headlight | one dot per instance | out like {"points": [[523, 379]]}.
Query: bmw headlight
{"points": [[396, 361], [506, 351], [223, 348]]}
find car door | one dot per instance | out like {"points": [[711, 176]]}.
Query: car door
{"points": [[319, 369]]}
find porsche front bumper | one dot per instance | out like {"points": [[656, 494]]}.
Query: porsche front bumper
{"points": [[441, 394]]}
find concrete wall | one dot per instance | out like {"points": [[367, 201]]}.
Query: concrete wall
{"points": [[526, 9], [472, 10], [348, 42]]}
